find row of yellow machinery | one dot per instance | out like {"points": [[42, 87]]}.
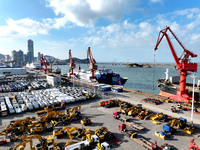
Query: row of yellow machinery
{"points": [[48, 119], [173, 124]]}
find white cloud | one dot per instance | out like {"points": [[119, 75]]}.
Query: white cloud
{"points": [[87, 12], [23, 27]]}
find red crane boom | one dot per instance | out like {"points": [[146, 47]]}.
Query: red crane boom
{"points": [[183, 64], [45, 63], [41, 62], [92, 66], [72, 65]]}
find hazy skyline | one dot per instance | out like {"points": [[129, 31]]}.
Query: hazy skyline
{"points": [[115, 29]]}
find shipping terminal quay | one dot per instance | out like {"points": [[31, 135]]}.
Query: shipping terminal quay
{"points": [[90, 109]]}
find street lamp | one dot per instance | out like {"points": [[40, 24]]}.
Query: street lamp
{"points": [[192, 112]]}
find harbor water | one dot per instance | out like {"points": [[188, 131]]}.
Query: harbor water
{"points": [[142, 79]]}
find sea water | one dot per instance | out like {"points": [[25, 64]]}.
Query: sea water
{"points": [[142, 79]]}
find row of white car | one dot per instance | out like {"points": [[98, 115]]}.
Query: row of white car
{"points": [[23, 101]]}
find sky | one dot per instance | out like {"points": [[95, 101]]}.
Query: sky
{"points": [[116, 30]]}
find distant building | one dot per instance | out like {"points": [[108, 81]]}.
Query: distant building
{"points": [[14, 55], [17, 57], [39, 56], [30, 51], [20, 58], [7, 58]]}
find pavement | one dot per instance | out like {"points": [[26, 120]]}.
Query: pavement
{"points": [[101, 116]]}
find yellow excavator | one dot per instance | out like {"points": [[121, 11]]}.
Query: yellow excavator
{"points": [[65, 130], [76, 110], [86, 121], [45, 143], [38, 128], [103, 133], [60, 131]]}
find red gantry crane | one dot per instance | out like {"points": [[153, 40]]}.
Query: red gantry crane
{"points": [[72, 65], [45, 63], [41, 63], [92, 66], [183, 65]]}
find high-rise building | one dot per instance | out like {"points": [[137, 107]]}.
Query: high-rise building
{"points": [[39, 56], [14, 55], [30, 51], [7, 58], [18, 58]]}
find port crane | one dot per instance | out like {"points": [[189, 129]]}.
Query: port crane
{"points": [[51, 65], [183, 65], [72, 65], [92, 66], [45, 63]]}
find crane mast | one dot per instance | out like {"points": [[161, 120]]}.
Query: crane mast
{"points": [[71, 64], [41, 62], [183, 64], [45, 63], [93, 67]]}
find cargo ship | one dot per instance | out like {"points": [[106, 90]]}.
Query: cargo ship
{"points": [[106, 76], [169, 86]]}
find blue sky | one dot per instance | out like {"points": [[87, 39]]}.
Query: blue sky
{"points": [[115, 29]]}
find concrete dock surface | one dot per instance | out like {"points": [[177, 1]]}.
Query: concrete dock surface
{"points": [[101, 116]]}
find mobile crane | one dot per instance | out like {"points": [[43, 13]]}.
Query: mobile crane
{"points": [[183, 65], [92, 66], [72, 65]]}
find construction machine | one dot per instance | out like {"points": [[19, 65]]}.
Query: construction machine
{"points": [[48, 143], [65, 130], [179, 124], [74, 112], [103, 133], [103, 146], [38, 128], [69, 131], [135, 111], [162, 135], [45, 110], [83, 132], [159, 116], [60, 131], [25, 140], [86, 121], [183, 65], [93, 67]]}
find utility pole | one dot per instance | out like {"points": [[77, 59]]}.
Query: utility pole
{"points": [[192, 112]]}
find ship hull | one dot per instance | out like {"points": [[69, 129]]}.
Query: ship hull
{"points": [[103, 76], [170, 90]]}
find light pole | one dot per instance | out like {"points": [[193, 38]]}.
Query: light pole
{"points": [[192, 112]]}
